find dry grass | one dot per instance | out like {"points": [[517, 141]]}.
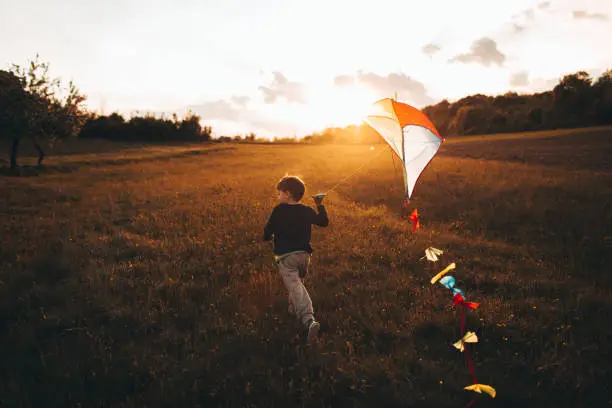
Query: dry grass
{"points": [[140, 279]]}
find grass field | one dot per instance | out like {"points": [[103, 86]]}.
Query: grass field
{"points": [[139, 278]]}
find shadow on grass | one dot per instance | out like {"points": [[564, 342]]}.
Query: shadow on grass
{"points": [[72, 166], [34, 171], [64, 348]]}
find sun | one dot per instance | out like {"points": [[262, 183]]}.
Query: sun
{"points": [[339, 106], [327, 106]]}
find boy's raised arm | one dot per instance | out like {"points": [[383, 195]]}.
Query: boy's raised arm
{"points": [[320, 216]]}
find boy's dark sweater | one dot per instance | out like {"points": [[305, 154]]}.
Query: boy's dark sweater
{"points": [[290, 224]]}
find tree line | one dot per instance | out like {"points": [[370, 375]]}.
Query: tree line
{"points": [[42, 110], [578, 100], [146, 128]]}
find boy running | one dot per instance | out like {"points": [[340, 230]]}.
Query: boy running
{"points": [[290, 224]]}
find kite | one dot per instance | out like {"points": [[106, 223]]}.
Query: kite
{"points": [[411, 136], [409, 133]]}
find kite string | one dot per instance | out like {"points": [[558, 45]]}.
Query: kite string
{"points": [[467, 356], [356, 171], [469, 404]]}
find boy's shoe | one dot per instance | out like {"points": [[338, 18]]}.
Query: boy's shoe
{"points": [[312, 330]]}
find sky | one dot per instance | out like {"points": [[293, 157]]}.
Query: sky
{"points": [[287, 68]]}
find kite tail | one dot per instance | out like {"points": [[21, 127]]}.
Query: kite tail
{"points": [[466, 337], [467, 357], [472, 402]]}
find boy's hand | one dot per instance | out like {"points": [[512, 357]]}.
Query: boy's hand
{"points": [[318, 199]]}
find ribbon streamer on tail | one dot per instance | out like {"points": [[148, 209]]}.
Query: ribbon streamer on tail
{"points": [[466, 337]]}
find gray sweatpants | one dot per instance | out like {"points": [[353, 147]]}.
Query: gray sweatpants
{"points": [[291, 268]]}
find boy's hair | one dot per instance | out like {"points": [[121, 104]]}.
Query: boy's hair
{"points": [[293, 185]]}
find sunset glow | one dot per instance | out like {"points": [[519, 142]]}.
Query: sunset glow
{"points": [[339, 107], [284, 68]]}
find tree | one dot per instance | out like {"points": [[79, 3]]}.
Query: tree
{"points": [[41, 110], [14, 103], [573, 100], [603, 98], [190, 128], [104, 127], [536, 118], [471, 119], [440, 115]]}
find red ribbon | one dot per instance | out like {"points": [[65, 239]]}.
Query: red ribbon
{"points": [[414, 219], [459, 300]]}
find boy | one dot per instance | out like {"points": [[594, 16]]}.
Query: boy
{"points": [[290, 225]]}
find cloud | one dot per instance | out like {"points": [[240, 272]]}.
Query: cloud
{"points": [[406, 87], [233, 109], [529, 14], [520, 79], [342, 80], [240, 100], [234, 115], [269, 95], [543, 84], [430, 49], [281, 87], [219, 109], [483, 51], [584, 15], [523, 80]]}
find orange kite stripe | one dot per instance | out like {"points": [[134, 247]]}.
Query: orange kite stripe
{"points": [[407, 115]]}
